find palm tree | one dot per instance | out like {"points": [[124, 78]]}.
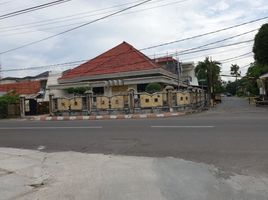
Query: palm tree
{"points": [[235, 72], [210, 71]]}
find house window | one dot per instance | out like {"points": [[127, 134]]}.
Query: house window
{"points": [[155, 100], [147, 100], [181, 98]]}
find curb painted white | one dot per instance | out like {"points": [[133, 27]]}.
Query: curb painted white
{"points": [[72, 118], [60, 118], [143, 116], [128, 116], [48, 118]]}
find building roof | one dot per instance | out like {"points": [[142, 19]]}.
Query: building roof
{"points": [[26, 87], [165, 59], [122, 58], [38, 76]]}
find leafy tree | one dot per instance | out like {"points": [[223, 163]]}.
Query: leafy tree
{"points": [[153, 87], [77, 90], [260, 47], [210, 71], [231, 87], [235, 72]]}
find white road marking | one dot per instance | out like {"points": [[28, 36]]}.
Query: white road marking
{"points": [[55, 127], [182, 126]]}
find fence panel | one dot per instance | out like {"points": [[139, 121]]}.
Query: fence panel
{"points": [[149, 101], [117, 102], [76, 103], [63, 104], [102, 102]]}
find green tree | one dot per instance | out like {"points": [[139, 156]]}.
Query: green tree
{"points": [[153, 87], [260, 47], [5, 101], [77, 90], [235, 72], [231, 87], [210, 71]]}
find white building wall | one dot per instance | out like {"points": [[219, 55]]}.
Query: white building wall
{"points": [[53, 80]]}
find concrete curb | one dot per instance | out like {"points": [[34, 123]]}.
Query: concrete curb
{"points": [[107, 117]]}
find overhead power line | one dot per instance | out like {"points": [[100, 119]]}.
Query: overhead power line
{"points": [[215, 53], [81, 61], [77, 27], [227, 45], [219, 41], [204, 34], [83, 15], [31, 9], [231, 59], [7, 30]]}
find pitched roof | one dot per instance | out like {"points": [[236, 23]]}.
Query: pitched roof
{"points": [[26, 87], [122, 58]]}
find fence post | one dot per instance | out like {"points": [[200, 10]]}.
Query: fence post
{"points": [[22, 106], [131, 101], [169, 90], [89, 97], [51, 95]]}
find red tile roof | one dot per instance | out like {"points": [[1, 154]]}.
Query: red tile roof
{"points": [[122, 58], [26, 87]]}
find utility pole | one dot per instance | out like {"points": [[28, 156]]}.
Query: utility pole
{"points": [[179, 72], [209, 83], [212, 81]]}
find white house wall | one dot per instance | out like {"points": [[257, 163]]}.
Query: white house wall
{"points": [[53, 80]]}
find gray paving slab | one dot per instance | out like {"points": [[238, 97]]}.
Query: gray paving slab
{"points": [[72, 175]]}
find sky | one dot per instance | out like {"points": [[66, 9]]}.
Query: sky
{"points": [[153, 23]]}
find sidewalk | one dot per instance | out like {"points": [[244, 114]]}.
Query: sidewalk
{"points": [[29, 174]]}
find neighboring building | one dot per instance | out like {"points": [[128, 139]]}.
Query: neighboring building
{"points": [[186, 70], [117, 70], [33, 88], [263, 85], [40, 77], [53, 80], [188, 74], [22, 88]]}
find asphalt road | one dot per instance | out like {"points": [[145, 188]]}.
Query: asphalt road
{"points": [[233, 137]]}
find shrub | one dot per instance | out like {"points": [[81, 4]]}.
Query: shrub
{"points": [[5, 101], [153, 87]]}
